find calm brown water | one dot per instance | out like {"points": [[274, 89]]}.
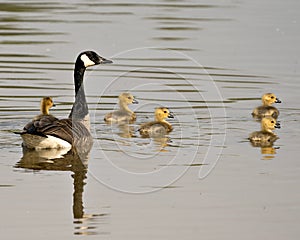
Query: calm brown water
{"points": [[209, 62]]}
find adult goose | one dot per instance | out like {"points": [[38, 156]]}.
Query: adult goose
{"points": [[44, 132]]}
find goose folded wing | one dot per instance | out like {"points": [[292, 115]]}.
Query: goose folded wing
{"points": [[37, 125], [64, 129]]}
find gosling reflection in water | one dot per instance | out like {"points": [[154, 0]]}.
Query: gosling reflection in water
{"points": [[268, 153], [266, 137], [58, 160], [126, 131], [162, 142]]}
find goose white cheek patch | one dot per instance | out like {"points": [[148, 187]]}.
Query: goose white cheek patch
{"points": [[86, 61]]}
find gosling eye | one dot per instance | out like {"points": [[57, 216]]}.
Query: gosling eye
{"points": [[272, 121], [165, 111], [272, 97], [129, 97]]}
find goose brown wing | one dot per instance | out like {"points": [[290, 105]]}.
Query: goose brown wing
{"points": [[37, 125], [68, 130], [64, 129]]}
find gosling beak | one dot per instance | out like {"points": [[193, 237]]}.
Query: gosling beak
{"points": [[134, 101], [171, 115], [277, 125], [277, 101]]}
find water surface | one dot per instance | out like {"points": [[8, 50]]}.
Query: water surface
{"points": [[209, 62]]}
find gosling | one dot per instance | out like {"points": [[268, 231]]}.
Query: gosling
{"points": [[266, 109], [265, 137], [124, 114], [46, 104], [159, 127], [43, 120]]}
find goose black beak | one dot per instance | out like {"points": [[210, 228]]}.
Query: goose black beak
{"points": [[103, 60], [277, 101], [134, 101], [171, 115], [277, 125]]}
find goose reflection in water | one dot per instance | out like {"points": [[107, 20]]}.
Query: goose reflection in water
{"points": [[60, 160]]}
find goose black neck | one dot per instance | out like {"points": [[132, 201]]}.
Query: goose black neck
{"points": [[78, 78], [80, 107]]}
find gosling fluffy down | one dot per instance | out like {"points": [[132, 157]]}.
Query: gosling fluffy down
{"points": [[266, 136], [123, 114], [266, 109], [42, 119], [159, 127]]}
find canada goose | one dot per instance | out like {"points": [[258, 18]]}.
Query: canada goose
{"points": [[72, 131], [124, 114], [265, 137], [159, 127], [266, 109]]}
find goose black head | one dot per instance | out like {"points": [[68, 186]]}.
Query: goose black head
{"points": [[90, 58]]}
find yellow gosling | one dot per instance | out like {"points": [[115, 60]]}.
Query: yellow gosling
{"points": [[265, 137], [159, 127], [266, 109], [123, 114], [46, 104]]}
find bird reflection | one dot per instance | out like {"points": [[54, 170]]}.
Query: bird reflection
{"points": [[59, 160], [157, 144], [265, 138], [126, 131], [162, 142], [268, 151]]}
